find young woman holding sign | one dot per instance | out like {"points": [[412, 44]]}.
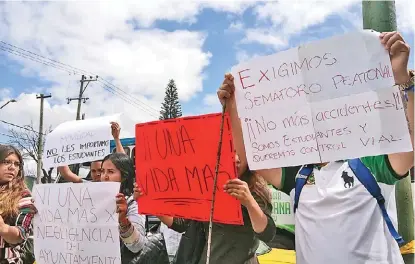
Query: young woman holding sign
{"points": [[231, 243], [16, 211], [119, 167]]}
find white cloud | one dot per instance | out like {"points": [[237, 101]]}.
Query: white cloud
{"points": [[287, 18], [183, 11], [139, 61], [268, 37], [5, 93], [405, 15], [117, 42], [236, 26], [211, 104], [295, 16], [211, 100], [284, 19], [242, 55]]}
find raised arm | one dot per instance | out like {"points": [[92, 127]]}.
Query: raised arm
{"points": [[399, 51], [115, 131], [68, 175], [226, 93]]}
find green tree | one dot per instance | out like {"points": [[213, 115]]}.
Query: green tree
{"points": [[171, 108]]}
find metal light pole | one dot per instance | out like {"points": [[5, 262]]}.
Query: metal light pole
{"points": [[381, 16], [8, 102]]}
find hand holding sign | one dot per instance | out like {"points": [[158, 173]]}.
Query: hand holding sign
{"points": [[399, 52], [327, 100], [138, 192], [76, 222], [78, 141], [227, 89], [240, 190], [115, 130], [176, 167], [121, 208]]}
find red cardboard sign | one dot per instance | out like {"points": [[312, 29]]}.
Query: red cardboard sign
{"points": [[175, 163]]}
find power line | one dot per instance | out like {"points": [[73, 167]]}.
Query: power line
{"points": [[44, 57], [15, 137], [141, 102], [31, 58], [7, 143], [25, 128], [127, 99], [107, 85], [74, 70]]}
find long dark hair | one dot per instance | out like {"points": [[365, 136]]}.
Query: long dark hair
{"points": [[257, 185], [11, 193], [126, 166]]}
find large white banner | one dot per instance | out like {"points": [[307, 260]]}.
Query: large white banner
{"points": [[76, 223], [78, 141], [328, 100]]}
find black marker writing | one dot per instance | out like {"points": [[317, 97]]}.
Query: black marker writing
{"points": [[363, 127]]}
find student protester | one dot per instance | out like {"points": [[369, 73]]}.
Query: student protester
{"points": [[95, 166], [118, 167], [16, 208], [233, 243], [337, 218]]}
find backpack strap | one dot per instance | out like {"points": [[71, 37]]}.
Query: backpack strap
{"points": [[364, 175], [300, 181]]}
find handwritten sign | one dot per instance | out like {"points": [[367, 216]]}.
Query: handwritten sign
{"points": [[79, 141], [324, 101], [175, 164], [76, 223], [282, 210]]}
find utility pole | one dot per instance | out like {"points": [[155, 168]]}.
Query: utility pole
{"points": [[381, 16], [75, 167], [40, 138], [80, 97]]}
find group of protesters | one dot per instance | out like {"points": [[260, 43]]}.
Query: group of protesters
{"points": [[333, 224]]}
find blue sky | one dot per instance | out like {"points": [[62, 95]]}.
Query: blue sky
{"points": [[139, 48]]}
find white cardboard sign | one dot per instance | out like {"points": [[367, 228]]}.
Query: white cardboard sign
{"points": [[76, 223], [78, 141], [328, 100]]}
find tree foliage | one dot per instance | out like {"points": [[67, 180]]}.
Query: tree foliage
{"points": [[171, 107]]}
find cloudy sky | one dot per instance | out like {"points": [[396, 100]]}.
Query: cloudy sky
{"points": [[135, 49]]}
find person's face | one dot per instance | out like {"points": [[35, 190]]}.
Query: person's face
{"points": [[96, 171], [9, 168], [110, 172], [238, 164]]}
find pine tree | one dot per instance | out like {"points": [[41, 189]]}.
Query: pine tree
{"points": [[171, 108]]}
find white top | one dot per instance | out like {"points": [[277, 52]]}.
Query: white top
{"points": [[341, 223]]}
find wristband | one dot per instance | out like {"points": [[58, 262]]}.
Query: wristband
{"points": [[124, 222], [125, 227], [408, 86], [405, 92], [410, 83]]}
